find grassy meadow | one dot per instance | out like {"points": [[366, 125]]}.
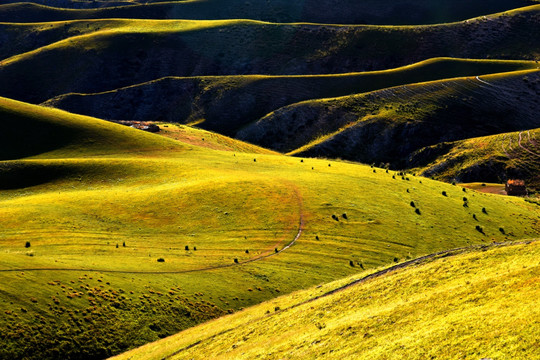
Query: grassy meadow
{"points": [[99, 217], [475, 304]]}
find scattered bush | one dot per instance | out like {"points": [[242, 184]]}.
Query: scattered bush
{"points": [[474, 217], [374, 170], [463, 189], [27, 245], [502, 230], [124, 244], [444, 193], [465, 199], [484, 210], [483, 184], [254, 160], [465, 204], [235, 260], [351, 263], [247, 251], [316, 237], [117, 246], [276, 250], [394, 177], [335, 217], [302, 160], [413, 204], [396, 259], [479, 229], [186, 247], [344, 215], [194, 248], [161, 260], [408, 191], [417, 211]]}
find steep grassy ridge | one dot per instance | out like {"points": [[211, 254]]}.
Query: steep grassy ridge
{"points": [[493, 158], [76, 274], [148, 50], [227, 103], [371, 127], [470, 306], [394, 12]]}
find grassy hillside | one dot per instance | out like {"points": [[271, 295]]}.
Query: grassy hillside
{"points": [[371, 127], [493, 158], [395, 12], [84, 241], [142, 51], [477, 304], [228, 103]]}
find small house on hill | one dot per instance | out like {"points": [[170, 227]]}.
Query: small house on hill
{"points": [[515, 187]]}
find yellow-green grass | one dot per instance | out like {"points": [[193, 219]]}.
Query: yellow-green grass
{"points": [[371, 127], [138, 51], [87, 202], [478, 304], [344, 11], [207, 139], [228, 103], [515, 155]]}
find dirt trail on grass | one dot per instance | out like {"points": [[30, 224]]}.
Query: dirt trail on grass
{"points": [[523, 147], [265, 255], [413, 262]]}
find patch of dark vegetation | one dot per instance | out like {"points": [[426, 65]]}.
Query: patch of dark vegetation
{"points": [[161, 260]]}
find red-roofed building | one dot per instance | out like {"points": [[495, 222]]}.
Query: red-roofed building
{"points": [[515, 187]]}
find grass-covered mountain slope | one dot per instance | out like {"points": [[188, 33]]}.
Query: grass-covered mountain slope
{"points": [[389, 125], [471, 305], [80, 245], [228, 103], [494, 159], [145, 50], [389, 12]]}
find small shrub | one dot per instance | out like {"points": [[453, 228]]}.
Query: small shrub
{"points": [[329, 165], [483, 184], [344, 215], [194, 248], [374, 170], [474, 217], [276, 250], [479, 229], [124, 244], [417, 211], [236, 261], [444, 193], [27, 245], [396, 259], [254, 160], [302, 160], [361, 265], [465, 199], [335, 217], [394, 177], [247, 251], [463, 189], [186, 247], [408, 191], [413, 204], [484, 211], [316, 237], [465, 204], [502, 230], [454, 183], [351, 263], [117, 246], [161, 260]]}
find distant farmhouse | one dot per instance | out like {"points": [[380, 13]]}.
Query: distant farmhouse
{"points": [[515, 187]]}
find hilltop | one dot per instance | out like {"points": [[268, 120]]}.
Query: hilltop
{"points": [[381, 12], [128, 53]]}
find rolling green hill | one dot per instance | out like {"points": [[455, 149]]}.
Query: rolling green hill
{"points": [[472, 305], [228, 103], [371, 127], [84, 236], [389, 12], [495, 159], [145, 50]]}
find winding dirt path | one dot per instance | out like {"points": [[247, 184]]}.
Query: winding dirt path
{"points": [[413, 262], [523, 147], [262, 256]]}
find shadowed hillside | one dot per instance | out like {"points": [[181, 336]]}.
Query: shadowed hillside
{"points": [[390, 12], [148, 50], [226, 104], [373, 127]]}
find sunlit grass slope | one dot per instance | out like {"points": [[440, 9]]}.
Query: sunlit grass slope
{"points": [[79, 249], [479, 304], [371, 127], [228, 103], [139, 51], [326, 11], [512, 155], [29, 130]]}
